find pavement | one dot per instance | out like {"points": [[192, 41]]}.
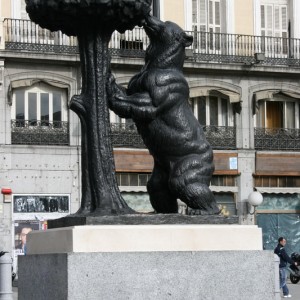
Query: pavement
{"points": [[293, 288]]}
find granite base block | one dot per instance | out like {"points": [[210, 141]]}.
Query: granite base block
{"points": [[243, 275], [147, 238], [140, 219]]}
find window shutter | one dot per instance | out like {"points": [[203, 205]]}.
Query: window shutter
{"points": [[211, 13], [217, 14], [24, 15], [194, 12], [284, 19], [206, 14], [199, 15], [277, 18], [262, 20], [203, 14], [274, 20], [269, 23]]}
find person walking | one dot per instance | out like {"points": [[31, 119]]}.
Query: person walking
{"points": [[284, 259]]}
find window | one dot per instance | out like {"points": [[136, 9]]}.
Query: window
{"points": [[274, 26], [226, 202], [24, 15], [278, 113], [274, 20], [132, 179], [223, 180], [277, 181], [212, 110], [39, 115], [39, 105], [206, 15], [206, 21]]}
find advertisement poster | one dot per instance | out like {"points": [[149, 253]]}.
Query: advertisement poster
{"points": [[22, 228], [40, 204]]}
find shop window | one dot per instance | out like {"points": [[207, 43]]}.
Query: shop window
{"points": [[223, 180], [274, 225], [132, 179], [277, 181], [226, 203]]}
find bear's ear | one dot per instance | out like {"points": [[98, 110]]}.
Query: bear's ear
{"points": [[188, 39]]}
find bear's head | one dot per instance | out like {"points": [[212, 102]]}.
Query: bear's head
{"points": [[167, 43]]}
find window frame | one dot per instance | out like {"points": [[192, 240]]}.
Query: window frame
{"points": [[38, 89], [261, 123], [230, 115]]}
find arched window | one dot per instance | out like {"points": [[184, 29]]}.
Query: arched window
{"points": [[39, 103], [213, 110], [39, 115], [278, 111]]}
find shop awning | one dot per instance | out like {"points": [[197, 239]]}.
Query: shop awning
{"points": [[269, 190]]}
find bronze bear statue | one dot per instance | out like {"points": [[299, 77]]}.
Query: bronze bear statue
{"points": [[157, 101]]}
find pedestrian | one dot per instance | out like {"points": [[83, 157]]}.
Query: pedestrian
{"points": [[284, 259]]}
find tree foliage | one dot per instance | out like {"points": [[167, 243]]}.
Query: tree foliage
{"points": [[75, 16]]}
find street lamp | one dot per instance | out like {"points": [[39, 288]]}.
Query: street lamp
{"points": [[255, 199]]}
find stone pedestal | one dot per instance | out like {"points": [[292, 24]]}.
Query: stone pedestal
{"points": [[147, 262]]}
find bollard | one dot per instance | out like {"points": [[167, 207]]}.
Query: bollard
{"points": [[5, 277]]}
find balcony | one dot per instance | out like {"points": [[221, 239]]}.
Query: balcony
{"points": [[276, 139], [24, 132], [24, 35], [219, 137], [125, 135]]}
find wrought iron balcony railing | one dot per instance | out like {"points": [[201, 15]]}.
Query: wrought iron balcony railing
{"points": [[34, 132], [24, 35], [221, 137], [126, 135], [276, 139]]}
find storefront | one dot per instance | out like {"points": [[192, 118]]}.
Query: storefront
{"points": [[279, 215]]}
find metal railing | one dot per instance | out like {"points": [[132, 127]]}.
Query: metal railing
{"points": [[25, 132], [276, 139], [219, 137], [235, 47], [126, 135], [25, 35]]}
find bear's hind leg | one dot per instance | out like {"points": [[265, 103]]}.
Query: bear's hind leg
{"points": [[162, 200], [199, 198], [191, 187]]}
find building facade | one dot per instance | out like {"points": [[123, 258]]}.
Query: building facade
{"points": [[243, 73]]}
